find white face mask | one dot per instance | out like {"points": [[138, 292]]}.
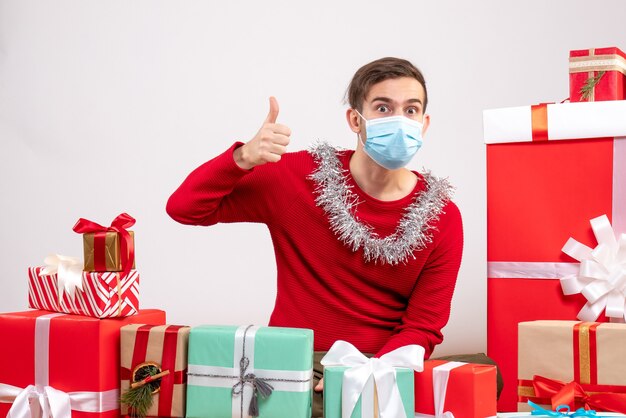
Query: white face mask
{"points": [[392, 141]]}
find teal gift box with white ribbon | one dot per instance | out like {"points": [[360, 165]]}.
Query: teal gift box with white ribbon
{"points": [[249, 371], [359, 387]]}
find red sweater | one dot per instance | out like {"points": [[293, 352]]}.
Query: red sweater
{"points": [[322, 284]]}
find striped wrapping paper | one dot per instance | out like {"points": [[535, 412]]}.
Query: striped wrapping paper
{"points": [[103, 295]]}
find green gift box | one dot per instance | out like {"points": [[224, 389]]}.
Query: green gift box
{"points": [[232, 369], [333, 385]]}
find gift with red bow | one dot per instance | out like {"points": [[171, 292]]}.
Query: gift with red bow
{"points": [[578, 364]]}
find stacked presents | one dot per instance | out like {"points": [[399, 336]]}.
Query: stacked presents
{"points": [[556, 190], [88, 350]]}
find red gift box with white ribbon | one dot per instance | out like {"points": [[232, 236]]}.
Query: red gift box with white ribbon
{"points": [[551, 169], [66, 366]]}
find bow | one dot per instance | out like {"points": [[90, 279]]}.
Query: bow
{"points": [[69, 271], [561, 411], [45, 402], [259, 387], [119, 225], [573, 394], [362, 369], [602, 274]]}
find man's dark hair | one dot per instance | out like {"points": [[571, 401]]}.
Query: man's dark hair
{"points": [[377, 71]]}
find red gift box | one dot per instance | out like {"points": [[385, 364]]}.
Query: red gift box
{"points": [[71, 359], [550, 169], [602, 71], [103, 295], [464, 389]]}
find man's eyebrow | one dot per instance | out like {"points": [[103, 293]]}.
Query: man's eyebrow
{"points": [[388, 100]]}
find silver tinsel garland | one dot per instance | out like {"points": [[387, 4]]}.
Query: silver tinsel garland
{"points": [[414, 231]]}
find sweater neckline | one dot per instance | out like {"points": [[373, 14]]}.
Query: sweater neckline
{"points": [[345, 156]]}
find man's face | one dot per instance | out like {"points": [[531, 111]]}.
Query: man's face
{"points": [[403, 96]]}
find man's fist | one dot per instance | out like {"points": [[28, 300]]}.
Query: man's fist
{"points": [[268, 144]]}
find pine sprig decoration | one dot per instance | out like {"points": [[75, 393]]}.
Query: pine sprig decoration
{"points": [[139, 399], [590, 84]]}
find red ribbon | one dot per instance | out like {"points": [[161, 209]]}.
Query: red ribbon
{"points": [[539, 115], [127, 247], [168, 362], [574, 395]]}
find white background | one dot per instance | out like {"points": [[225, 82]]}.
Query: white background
{"points": [[105, 107]]}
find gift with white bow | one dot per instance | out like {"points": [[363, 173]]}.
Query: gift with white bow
{"points": [[454, 389], [62, 286], [550, 169], [54, 365], [356, 386]]}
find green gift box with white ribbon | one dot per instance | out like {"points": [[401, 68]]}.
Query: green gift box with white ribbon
{"points": [[359, 387], [249, 371]]}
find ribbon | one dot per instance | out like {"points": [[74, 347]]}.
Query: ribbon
{"points": [[261, 382], [602, 275], [607, 62], [539, 122], [119, 225], [42, 400], [69, 271], [169, 340], [573, 394], [561, 411], [441, 375], [363, 372]]}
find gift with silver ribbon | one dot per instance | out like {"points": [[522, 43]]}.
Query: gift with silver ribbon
{"points": [[249, 371]]}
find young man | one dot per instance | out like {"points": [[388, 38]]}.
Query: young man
{"points": [[367, 251]]}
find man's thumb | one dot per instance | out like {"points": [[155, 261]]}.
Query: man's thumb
{"points": [[273, 114]]}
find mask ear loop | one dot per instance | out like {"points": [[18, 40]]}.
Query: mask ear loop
{"points": [[359, 133]]}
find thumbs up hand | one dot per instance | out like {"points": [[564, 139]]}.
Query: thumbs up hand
{"points": [[269, 143]]}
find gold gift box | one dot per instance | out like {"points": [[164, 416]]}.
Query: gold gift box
{"points": [[112, 252]]}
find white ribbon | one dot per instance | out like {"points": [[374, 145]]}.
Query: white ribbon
{"points": [[69, 271], [441, 375], [602, 274], [359, 379], [43, 401]]}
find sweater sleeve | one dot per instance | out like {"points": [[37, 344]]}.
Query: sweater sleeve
{"points": [[220, 191], [428, 308]]}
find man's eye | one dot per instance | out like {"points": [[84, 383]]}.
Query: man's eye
{"points": [[382, 108], [412, 111]]}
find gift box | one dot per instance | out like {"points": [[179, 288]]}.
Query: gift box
{"points": [[147, 350], [368, 399], [237, 371], [550, 170], [465, 390], [578, 364], [108, 248], [65, 364], [597, 74], [101, 295], [356, 386]]}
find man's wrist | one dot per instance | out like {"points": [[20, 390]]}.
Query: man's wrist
{"points": [[240, 160]]}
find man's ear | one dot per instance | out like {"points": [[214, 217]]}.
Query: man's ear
{"points": [[354, 120], [426, 122]]}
